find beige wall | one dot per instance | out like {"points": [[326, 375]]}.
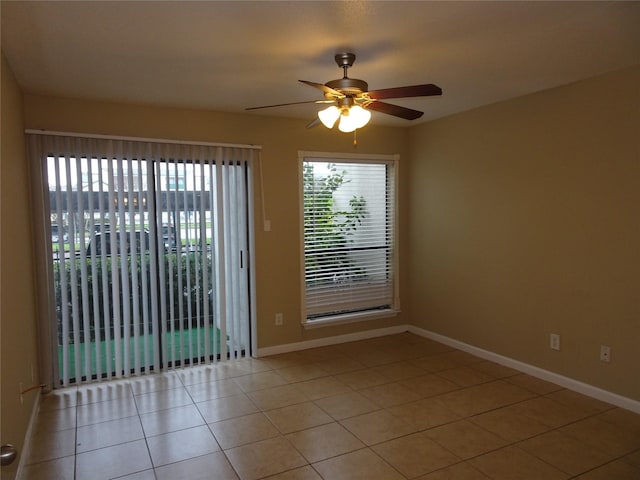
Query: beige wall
{"points": [[516, 220], [524, 221], [277, 251], [17, 306]]}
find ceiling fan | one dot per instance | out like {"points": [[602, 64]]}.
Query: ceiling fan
{"points": [[350, 100]]}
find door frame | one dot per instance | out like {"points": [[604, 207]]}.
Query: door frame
{"points": [[46, 302]]}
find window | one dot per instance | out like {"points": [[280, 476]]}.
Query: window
{"points": [[148, 259], [348, 236]]}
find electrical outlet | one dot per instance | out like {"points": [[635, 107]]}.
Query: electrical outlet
{"points": [[279, 319], [267, 225], [554, 341], [605, 353]]}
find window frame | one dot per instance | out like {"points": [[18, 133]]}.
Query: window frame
{"points": [[341, 318]]}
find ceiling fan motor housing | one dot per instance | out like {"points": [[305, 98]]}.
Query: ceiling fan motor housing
{"points": [[348, 86]]}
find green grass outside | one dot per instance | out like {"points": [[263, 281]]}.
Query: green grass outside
{"points": [[189, 338]]}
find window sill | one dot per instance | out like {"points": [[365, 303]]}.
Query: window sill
{"points": [[349, 318]]}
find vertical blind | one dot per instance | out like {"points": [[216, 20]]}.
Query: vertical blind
{"points": [[349, 259], [149, 254]]}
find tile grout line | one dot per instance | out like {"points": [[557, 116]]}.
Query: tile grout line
{"points": [[144, 434], [75, 440]]}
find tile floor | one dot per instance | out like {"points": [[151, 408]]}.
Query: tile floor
{"points": [[395, 407]]}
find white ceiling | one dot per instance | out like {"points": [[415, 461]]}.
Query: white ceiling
{"points": [[227, 56]]}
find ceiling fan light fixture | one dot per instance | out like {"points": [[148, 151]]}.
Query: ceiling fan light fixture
{"points": [[360, 116], [329, 116], [353, 118], [346, 124]]}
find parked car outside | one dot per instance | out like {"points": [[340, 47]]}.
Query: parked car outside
{"points": [[169, 236], [55, 234], [96, 243]]}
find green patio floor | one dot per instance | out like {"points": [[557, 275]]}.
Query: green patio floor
{"points": [[192, 341]]}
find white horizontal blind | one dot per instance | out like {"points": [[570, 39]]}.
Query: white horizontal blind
{"points": [[348, 236], [149, 246]]}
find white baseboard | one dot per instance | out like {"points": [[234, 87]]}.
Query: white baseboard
{"points": [[26, 448], [561, 380], [566, 382], [323, 342]]}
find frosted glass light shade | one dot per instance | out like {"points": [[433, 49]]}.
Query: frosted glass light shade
{"points": [[329, 115], [355, 117], [360, 116], [346, 124]]}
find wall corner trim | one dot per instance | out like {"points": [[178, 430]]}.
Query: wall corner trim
{"points": [[28, 437], [566, 382]]}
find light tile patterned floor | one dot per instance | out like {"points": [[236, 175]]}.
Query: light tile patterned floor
{"points": [[395, 407]]}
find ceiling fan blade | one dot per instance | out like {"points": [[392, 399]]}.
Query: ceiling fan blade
{"points": [[292, 103], [324, 88], [313, 123], [395, 110], [426, 90]]}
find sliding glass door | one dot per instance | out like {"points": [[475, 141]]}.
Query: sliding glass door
{"points": [[149, 248]]}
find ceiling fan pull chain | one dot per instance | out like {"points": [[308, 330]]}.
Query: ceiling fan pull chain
{"points": [[355, 138]]}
